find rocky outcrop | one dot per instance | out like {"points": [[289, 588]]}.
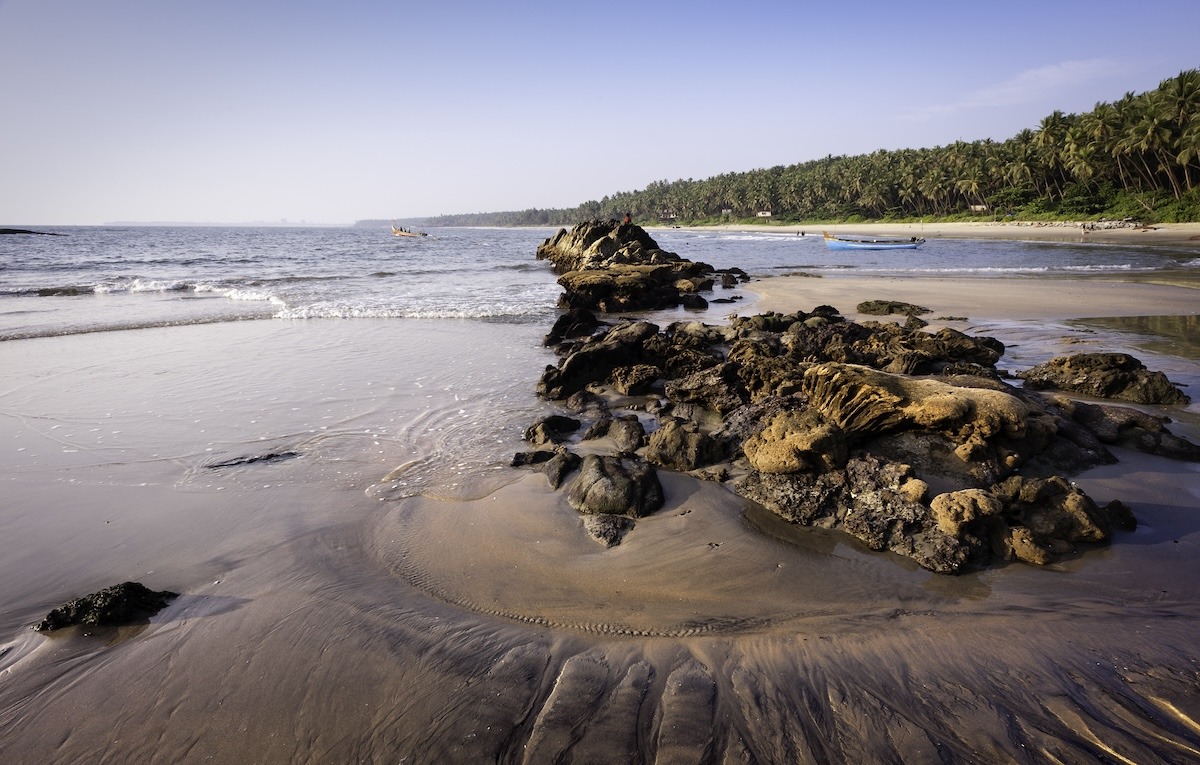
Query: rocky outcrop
{"points": [[121, 604], [614, 267], [908, 440], [1105, 375]]}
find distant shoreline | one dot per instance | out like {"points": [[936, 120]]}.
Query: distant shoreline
{"points": [[28, 231], [1183, 234]]}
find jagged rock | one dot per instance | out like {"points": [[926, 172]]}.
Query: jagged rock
{"points": [[1105, 375], [1021, 544], [595, 360], [577, 322], [717, 388], [552, 430], [612, 486], [634, 380], [615, 267], [873, 500], [121, 604], [679, 445]]}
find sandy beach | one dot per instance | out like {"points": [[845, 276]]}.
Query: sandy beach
{"points": [[1181, 234], [328, 615]]}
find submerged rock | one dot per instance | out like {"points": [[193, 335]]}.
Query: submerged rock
{"points": [[114, 606], [253, 459]]}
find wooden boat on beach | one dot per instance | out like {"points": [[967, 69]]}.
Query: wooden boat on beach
{"points": [[397, 231], [847, 243]]}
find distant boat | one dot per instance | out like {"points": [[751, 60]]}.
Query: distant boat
{"points": [[396, 231], [846, 243]]}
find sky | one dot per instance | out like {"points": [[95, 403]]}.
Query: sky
{"points": [[330, 112]]}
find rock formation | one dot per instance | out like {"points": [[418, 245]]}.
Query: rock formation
{"points": [[1105, 375], [611, 267], [910, 441]]}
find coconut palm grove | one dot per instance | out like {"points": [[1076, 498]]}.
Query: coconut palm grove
{"points": [[1137, 157]]}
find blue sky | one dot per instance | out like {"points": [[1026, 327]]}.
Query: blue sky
{"points": [[334, 111]]}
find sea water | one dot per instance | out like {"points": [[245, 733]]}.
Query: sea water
{"points": [[438, 336], [115, 278]]}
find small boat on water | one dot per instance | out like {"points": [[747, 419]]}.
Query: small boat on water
{"points": [[397, 231], [847, 243]]}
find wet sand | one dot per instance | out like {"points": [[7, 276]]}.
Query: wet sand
{"points": [[329, 615]]}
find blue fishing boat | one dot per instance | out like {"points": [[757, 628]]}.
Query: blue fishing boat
{"points": [[846, 243]]}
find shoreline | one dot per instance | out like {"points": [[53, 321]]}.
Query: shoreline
{"points": [[465, 622], [1175, 234]]}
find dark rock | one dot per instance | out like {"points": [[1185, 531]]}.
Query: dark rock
{"points": [[614, 267], [1105, 375], [634, 380], [626, 431], [125, 603], [552, 430], [595, 360], [253, 460], [558, 467], [717, 388], [889, 307], [577, 322], [586, 402], [842, 425], [1131, 428], [538, 457], [873, 500], [613, 486], [679, 445]]}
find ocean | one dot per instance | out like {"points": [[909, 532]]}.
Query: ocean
{"points": [[307, 433], [118, 278]]}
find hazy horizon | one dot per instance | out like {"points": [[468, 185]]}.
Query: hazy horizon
{"points": [[127, 111]]}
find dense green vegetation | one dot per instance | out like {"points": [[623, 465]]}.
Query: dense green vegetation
{"points": [[1137, 157]]}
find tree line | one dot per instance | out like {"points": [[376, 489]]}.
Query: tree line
{"points": [[1136, 157]]}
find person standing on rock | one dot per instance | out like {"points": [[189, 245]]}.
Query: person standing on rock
{"points": [[627, 219]]}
